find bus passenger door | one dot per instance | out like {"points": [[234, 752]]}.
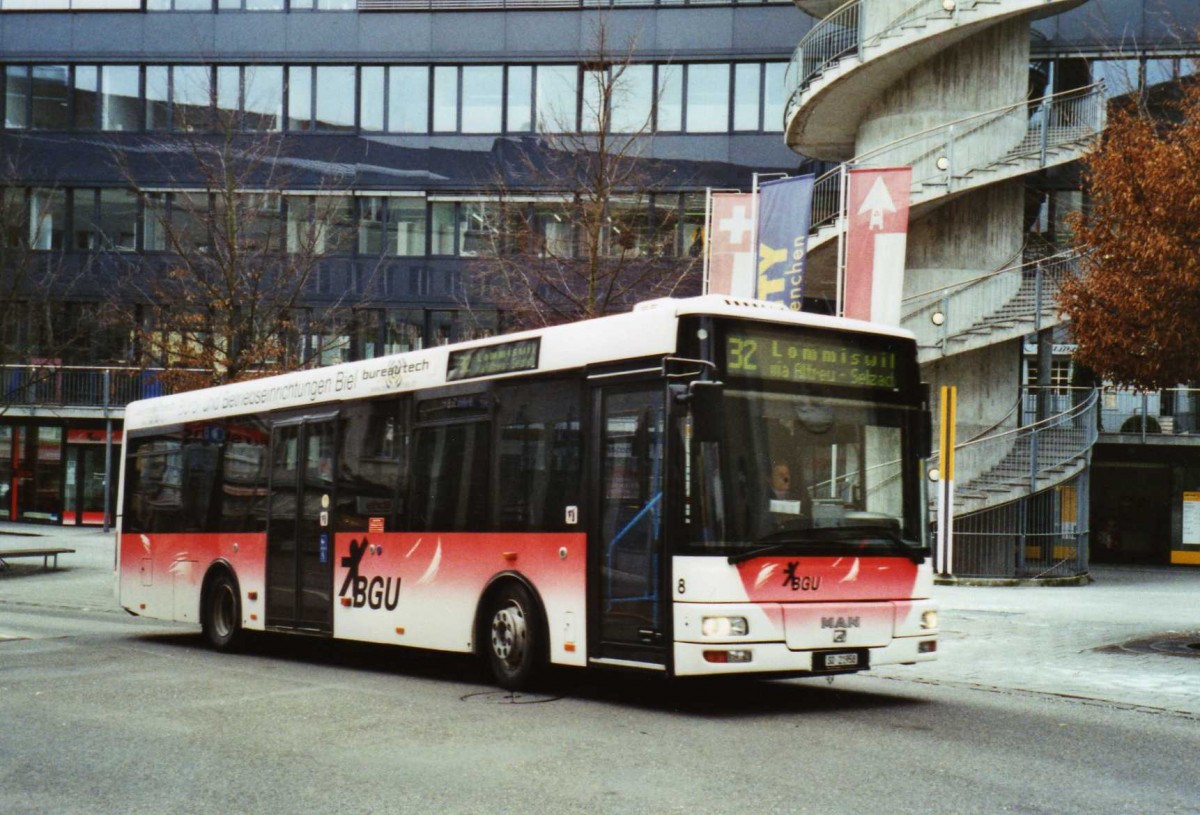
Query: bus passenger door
{"points": [[300, 527], [627, 529]]}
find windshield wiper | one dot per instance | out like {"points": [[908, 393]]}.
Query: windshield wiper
{"points": [[914, 553], [825, 534], [742, 557]]}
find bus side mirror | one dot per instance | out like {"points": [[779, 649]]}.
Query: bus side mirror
{"points": [[708, 410], [925, 439]]}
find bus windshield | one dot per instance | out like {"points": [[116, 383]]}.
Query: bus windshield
{"points": [[802, 473]]}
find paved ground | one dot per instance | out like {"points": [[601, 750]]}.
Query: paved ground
{"points": [[1063, 641]]}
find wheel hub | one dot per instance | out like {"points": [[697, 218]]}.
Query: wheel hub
{"points": [[223, 611], [509, 634]]}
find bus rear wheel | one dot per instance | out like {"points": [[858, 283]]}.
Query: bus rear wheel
{"points": [[515, 642], [221, 617]]}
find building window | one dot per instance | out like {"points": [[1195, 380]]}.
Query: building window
{"points": [[482, 98], [47, 219], [191, 98], [405, 227], [371, 96], [16, 96], [229, 97], [158, 97], [404, 330], [154, 220], [557, 98], [442, 217], [299, 97], [86, 96], [519, 99], [335, 97], [445, 99], [408, 99], [263, 97], [747, 94], [775, 96], [120, 103], [51, 84], [250, 5], [669, 114], [708, 98], [632, 99], [117, 224]]}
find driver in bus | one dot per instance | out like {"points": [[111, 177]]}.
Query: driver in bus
{"points": [[783, 494]]}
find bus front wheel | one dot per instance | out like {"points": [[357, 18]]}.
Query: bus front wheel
{"points": [[515, 642], [221, 617]]}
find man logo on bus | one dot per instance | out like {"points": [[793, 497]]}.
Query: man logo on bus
{"points": [[799, 582], [375, 593]]}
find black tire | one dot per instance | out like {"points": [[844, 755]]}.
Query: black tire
{"points": [[221, 614], [514, 637]]}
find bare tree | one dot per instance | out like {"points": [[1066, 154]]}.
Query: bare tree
{"points": [[572, 232], [243, 257]]}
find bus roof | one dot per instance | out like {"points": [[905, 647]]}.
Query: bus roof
{"points": [[650, 329]]}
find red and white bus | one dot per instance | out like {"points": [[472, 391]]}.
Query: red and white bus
{"points": [[700, 486]]}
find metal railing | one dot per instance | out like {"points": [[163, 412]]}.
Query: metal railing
{"points": [[1015, 297], [478, 5], [849, 30], [1005, 465], [1043, 535], [843, 33], [944, 157], [24, 386], [1135, 415], [1021, 495]]}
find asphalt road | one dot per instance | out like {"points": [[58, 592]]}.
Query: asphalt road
{"points": [[102, 713]]}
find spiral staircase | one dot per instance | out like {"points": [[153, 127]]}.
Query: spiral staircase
{"points": [[942, 86]]}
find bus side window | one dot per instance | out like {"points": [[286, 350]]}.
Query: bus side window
{"points": [[450, 478], [243, 481], [539, 456], [153, 497], [373, 454]]}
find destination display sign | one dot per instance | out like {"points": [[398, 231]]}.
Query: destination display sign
{"points": [[490, 360], [849, 361]]}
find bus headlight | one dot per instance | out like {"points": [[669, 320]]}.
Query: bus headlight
{"points": [[929, 619], [724, 627]]}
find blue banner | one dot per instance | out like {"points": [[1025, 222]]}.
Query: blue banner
{"points": [[784, 213]]}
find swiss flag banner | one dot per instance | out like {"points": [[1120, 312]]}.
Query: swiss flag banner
{"points": [[876, 238], [731, 245]]}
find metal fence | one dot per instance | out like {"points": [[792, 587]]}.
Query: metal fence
{"points": [[69, 386], [422, 5], [1129, 412], [945, 156], [1020, 508], [1042, 535]]}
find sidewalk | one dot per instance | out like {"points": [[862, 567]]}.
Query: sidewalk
{"points": [[1054, 640], [1066, 640]]}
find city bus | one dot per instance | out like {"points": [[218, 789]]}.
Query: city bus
{"points": [[702, 486]]}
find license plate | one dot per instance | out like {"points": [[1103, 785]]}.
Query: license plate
{"points": [[839, 660]]}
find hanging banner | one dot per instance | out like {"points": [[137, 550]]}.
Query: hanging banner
{"points": [[731, 245], [784, 214], [876, 239]]}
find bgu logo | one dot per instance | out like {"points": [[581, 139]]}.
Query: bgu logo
{"points": [[375, 593]]}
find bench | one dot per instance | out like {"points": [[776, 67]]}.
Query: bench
{"points": [[44, 554]]}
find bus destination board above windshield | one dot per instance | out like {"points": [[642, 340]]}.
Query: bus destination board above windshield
{"points": [[490, 360], [849, 361]]}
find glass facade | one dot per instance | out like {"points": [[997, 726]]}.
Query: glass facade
{"points": [[395, 99]]}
